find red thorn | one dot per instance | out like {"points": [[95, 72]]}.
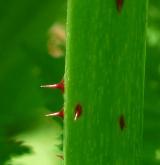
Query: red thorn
{"points": [[57, 114], [119, 5], [60, 156], [78, 111], [55, 86]]}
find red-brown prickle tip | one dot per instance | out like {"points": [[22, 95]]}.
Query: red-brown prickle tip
{"points": [[119, 5], [78, 111], [57, 114], [60, 156], [59, 85]]}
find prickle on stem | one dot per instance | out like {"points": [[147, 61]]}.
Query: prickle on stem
{"points": [[78, 111], [57, 114], [59, 85], [60, 156]]}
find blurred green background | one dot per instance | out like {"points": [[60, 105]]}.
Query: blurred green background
{"points": [[26, 136]]}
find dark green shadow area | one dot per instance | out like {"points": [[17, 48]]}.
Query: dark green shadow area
{"points": [[12, 148]]}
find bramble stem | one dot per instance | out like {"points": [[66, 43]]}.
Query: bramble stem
{"points": [[105, 75]]}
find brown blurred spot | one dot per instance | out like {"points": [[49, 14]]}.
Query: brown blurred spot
{"points": [[57, 40]]}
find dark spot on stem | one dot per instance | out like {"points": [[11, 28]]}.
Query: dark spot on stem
{"points": [[78, 111], [122, 123], [119, 5]]}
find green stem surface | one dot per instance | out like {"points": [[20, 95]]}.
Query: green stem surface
{"points": [[104, 74]]}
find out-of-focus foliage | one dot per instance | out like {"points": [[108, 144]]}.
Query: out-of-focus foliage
{"points": [[24, 65], [152, 88]]}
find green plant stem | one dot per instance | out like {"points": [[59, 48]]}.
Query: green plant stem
{"points": [[105, 74]]}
